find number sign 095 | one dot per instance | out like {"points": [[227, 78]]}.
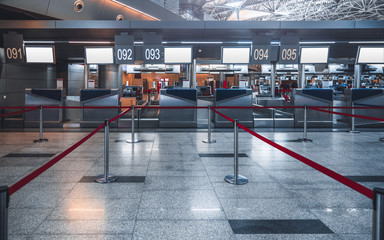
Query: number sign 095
{"points": [[289, 54]]}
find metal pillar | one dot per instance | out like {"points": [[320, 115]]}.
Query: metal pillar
{"points": [[378, 214], [41, 139], [106, 177], [209, 140], [357, 73], [236, 178], [4, 205], [305, 139], [273, 79], [301, 73], [353, 121], [133, 139]]}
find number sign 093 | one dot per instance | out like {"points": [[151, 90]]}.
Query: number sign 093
{"points": [[153, 54]]}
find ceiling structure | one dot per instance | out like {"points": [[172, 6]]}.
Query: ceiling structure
{"points": [[286, 10]]}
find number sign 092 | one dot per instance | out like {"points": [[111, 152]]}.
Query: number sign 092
{"points": [[124, 54], [289, 54], [153, 54]]}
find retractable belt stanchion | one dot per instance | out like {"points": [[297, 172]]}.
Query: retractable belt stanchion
{"points": [[305, 139], [41, 139], [236, 178], [209, 140], [133, 139], [4, 204], [353, 121], [106, 177], [378, 214]]}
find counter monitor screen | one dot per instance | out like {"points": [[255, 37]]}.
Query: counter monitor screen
{"points": [[99, 55], [40, 54], [370, 55], [314, 55], [235, 55], [177, 55]]}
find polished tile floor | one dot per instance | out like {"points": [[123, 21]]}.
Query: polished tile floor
{"points": [[184, 195]]}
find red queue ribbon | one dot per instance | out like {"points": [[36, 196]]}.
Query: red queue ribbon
{"points": [[346, 181], [13, 113], [347, 114], [24, 181], [22, 107]]}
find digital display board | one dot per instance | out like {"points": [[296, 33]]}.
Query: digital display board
{"points": [[314, 55], [99, 55], [40, 54], [370, 55], [235, 55], [178, 55]]}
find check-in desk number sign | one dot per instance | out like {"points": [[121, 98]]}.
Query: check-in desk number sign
{"points": [[261, 54], [289, 54], [13, 48], [153, 54], [124, 54]]}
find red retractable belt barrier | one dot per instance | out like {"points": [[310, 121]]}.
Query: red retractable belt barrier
{"points": [[21, 183], [346, 181], [13, 113], [347, 114], [23, 107]]}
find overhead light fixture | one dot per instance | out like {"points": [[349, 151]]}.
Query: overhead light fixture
{"points": [[136, 10], [88, 42], [328, 42], [40, 42], [201, 42], [241, 42], [367, 42], [275, 43]]}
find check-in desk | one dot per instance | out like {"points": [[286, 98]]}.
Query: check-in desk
{"points": [[366, 97], [46, 97], [313, 97], [234, 97], [178, 117], [98, 98]]}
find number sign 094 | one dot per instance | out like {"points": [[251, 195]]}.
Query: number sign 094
{"points": [[261, 54]]}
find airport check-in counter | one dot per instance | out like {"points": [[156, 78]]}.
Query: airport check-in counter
{"points": [[178, 117], [46, 97], [234, 97], [365, 97], [313, 97], [98, 98]]}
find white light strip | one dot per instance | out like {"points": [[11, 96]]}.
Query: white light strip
{"points": [[88, 42], [201, 42], [366, 42], [329, 42], [240, 42], [134, 9], [275, 43], [43, 42]]}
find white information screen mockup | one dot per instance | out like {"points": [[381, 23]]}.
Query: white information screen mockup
{"points": [[314, 55], [102, 55], [235, 55], [175, 55], [40, 54]]}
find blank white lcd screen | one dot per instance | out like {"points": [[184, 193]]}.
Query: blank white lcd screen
{"points": [[177, 55], [314, 55], [39, 54], [99, 55], [235, 55], [371, 55]]}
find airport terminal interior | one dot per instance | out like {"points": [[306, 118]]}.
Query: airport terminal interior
{"points": [[181, 119]]}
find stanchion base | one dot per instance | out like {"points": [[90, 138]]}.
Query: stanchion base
{"points": [[382, 139], [40, 140], [134, 141], [101, 179], [354, 131], [207, 141], [304, 140], [241, 180]]}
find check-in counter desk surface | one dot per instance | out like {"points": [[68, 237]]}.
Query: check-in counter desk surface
{"points": [[364, 97], [45, 97], [313, 97], [98, 98], [234, 97], [178, 117]]}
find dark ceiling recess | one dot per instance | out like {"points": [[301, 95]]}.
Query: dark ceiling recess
{"points": [[9, 13], [191, 9]]}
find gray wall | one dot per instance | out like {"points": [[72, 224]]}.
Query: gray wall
{"points": [[110, 76], [75, 79], [15, 78]]}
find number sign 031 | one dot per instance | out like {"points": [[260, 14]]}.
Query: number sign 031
{"points": [[14, 48], [124, 54], [153, 54], [261, 54], [289, 54]]}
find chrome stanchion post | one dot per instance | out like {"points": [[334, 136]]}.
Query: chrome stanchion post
{"points": [[209, 140], [236, 178], [353, 121], [378, 214], [305, 139], [41, 139], [133, 140], [106, 177], [4, 205]]}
